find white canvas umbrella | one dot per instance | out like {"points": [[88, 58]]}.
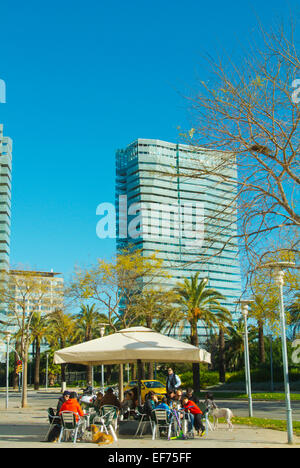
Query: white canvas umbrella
{"points": [[130, 346]]}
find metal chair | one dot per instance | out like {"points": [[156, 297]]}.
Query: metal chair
{"points": [[161, 420], [108, 420], [53, 421], [188, 425], [69, 424], [144, 419]]}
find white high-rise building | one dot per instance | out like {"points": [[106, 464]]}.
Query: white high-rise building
{"points": [[5, 211], [189, 221], [5, 198]]}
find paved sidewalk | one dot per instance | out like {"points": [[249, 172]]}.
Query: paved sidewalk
{"points": [[26, 428]]}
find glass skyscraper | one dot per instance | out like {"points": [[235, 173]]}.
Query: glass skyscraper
{"points": [[5, 204], [165, 205], [5, 198]]}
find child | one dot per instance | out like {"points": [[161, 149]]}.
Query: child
{"points": [[191, 407], [164, 405]]}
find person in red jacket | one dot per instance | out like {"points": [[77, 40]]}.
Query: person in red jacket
{"points": [[190, 407], [72, 405]]}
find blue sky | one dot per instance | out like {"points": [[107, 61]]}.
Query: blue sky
{"points": [[87, 77]]}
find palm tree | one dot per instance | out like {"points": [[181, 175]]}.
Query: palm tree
{"points": [[201, 303], [262, 309], [294, 311], [88, 327], [156, 309], [62, 332], [39, 331], [235, 345]]}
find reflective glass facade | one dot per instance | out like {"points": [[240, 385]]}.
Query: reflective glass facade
{"points": [[5, 206], [164, 206], [5, 198]]}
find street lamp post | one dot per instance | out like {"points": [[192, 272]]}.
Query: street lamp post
{"points": [[271, 362], [278, 273], [47, 356], [245, 310], [7, 367]]}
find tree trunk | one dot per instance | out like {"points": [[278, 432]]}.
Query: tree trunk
{"points": [[108, 374], [89, 375], [24, 402], [222, 367], [196, 377], [151, 371], [143, 371], [195, 366], [121, 382], [261, 341], [37, 366], [15, 376], [133, 371], [63, 373], [139, 378], [149, 321]]}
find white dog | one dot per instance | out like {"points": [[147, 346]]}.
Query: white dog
{"points": [[222, 413]]}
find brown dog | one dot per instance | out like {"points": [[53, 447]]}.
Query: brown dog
{"points": [[100, 438]]}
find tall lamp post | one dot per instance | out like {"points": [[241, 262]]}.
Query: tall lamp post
{"points": [[245, 310], [271, 362], [7, 338], [277, 269], [47, 357]]}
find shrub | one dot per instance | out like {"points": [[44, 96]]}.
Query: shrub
{"points": [[263, 374], [207, 379]]}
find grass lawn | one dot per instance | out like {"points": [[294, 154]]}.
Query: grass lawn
{"points": [[266, 424], [255, 396]]}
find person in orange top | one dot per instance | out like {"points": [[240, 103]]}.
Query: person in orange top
{"points": [[190, 407], [72, 405]]}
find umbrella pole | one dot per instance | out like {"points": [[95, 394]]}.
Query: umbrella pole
{"points": [[139, 378], [121, 382]]}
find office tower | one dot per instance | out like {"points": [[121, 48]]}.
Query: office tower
{"points": [[33, 293], [190, 221], [5, 210], [38, 291], [5, 198]]}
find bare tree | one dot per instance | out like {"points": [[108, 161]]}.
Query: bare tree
{"points": [[248, 117], [25, 294]]}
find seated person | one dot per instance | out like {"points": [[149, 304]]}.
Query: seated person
{"points": [[171, 398], [71, 404], [96, 406], [96, 403], [150, 403], [135, 397], [164, 406], [130, 402], [65, 396], [178, 397], [110, 399]]}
